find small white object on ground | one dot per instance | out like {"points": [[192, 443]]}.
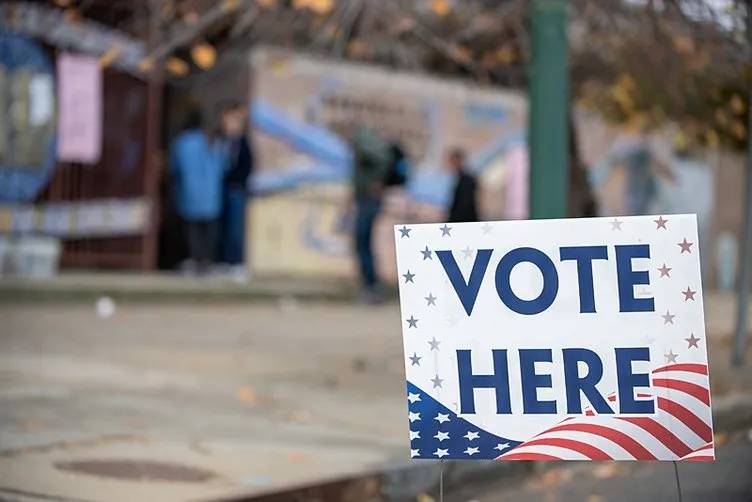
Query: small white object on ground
{"points": [[105, 307]]}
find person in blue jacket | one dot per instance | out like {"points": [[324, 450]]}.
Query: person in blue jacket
{"points": [[198, 164]]}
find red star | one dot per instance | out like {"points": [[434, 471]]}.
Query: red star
{"points": [[660, 223], [684, 245], [692, 341], [689, 294], [664, 270]]}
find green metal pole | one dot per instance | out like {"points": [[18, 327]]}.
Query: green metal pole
{"points": [[549, 107], [743, 286]]}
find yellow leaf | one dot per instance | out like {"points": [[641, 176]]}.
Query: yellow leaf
{"points": [[356, 48], [721, 438], [461, 53], [298, 457], [712, 138], [440, 7], [683, 44], [204, 55], [168, 10], [191, 17], [680, 141], [228, 5], [176, 67], [247, 395], [738, 130], [720, 117], [737, 104], [321, 7], [146, 65], [109, 56], [505, 55]]}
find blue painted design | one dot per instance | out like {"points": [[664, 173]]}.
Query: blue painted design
{"points": [[331, 156], [466, 441], [316, 141], [481, 113], [23, 183]]}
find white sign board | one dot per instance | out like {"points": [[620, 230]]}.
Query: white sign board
{"points": [[577, 339]]}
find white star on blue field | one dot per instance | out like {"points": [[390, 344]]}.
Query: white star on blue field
{"points": [[438, 433]]}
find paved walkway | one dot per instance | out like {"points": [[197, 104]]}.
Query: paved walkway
{"points": [[260, 396]]}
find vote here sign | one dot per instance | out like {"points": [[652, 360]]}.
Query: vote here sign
{"points": [[572, 339]]}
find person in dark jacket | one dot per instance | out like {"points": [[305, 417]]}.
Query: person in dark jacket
{"points": [[464, 205], [371, 158], [235, 192]]}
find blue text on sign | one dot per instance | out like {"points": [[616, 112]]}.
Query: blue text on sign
{"points": [[583, 256], [576, 385]]}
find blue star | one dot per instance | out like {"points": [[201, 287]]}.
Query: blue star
{"points": [[430, 299], [445, 230], [415, 358], [409, 277], [412, 322], [426, 254], [405, 232]]}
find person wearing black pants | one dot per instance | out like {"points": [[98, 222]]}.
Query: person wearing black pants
{"points": [[465, 201], [198, 163], [201, 236]]}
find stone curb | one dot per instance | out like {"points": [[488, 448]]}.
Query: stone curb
{"points": [[173, 291]]}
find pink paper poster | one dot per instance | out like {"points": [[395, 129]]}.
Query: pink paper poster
{"points": [[80, 109]]}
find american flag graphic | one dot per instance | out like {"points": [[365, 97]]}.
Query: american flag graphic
{"points": [[436, 327], [678, 430]]}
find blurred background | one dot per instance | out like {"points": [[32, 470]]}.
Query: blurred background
{"points": [[197, 275]]}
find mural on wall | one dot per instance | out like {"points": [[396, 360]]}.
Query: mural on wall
{"points": [[302, 112], [636, 173], [27, 118]]}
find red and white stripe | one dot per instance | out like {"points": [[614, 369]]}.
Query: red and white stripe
{"points": [[704, 454], [680, 429]]}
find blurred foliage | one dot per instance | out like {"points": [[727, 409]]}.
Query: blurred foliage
{"points": [[638, 62], [681, 61]]}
